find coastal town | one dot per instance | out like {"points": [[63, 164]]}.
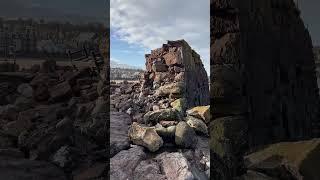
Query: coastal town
{"points": [[31, 38]]}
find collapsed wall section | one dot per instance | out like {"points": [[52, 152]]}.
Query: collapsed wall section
{"points": [[176, 62]]}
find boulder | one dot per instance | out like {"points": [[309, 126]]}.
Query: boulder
{"points": [[159, 67], [179, 105], [197, 124], [175, 166], [287, 159], [202, 112], [165, 132], [185, 135], [173, 88], [122, 165], [145, 136], [148, 170], [153, 117]]}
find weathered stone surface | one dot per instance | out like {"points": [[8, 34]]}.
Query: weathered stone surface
{"points": [[260, 52], [287, 160], [119, 126], [202, 112], [179, 105], [185, 135], [173, 88], [197, 124], [165, 132], [182, 62], [122, 165], [175, 166], [145, 136], [153, 117], [228, 143], [148, 170]]}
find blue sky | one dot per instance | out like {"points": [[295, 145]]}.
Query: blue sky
{"points": [[138, 26], [123, 52]]}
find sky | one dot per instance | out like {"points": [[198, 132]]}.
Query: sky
{"points": [[62, 10], [310, 12], [138, 26]]}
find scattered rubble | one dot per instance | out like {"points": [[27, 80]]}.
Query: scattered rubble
{"points": [[169, 107], [52, 123]]}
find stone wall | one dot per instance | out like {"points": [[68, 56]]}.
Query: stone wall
{"points": [[263, 67], [177, 62], [263, 74]]}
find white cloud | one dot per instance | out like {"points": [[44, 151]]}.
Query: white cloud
{"points": [[151, 23]]}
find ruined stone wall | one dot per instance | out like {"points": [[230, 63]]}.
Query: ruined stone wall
{"points": [[263, 68], [176, 62]]}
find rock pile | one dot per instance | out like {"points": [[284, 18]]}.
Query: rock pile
{"points": [[53, 123], [169, 118]]}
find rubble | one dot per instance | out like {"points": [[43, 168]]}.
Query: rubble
{"points": [[158, 106], [47, 125]]}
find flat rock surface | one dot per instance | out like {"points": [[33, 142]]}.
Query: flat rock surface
{"points": [[119, 126]]}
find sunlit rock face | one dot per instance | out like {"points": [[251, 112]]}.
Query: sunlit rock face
{"points": [[177, 62]]}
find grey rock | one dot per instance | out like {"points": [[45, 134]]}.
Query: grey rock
{"points": [[119, 126], [185, 135], [123, 164]]}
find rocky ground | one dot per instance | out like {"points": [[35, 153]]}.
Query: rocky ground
{"points": [[158, 126], [52, 123], [162, 143]]}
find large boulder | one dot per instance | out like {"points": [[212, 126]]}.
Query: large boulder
{"points": [[197, 124], [296, 160], [173, 88], [175, 166], [153, 117], [202, 112], [148, 170], [122, 165], [185, 136], [145, 136]]}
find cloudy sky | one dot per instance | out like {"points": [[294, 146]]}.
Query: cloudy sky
{"points": [[137, 26]]}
